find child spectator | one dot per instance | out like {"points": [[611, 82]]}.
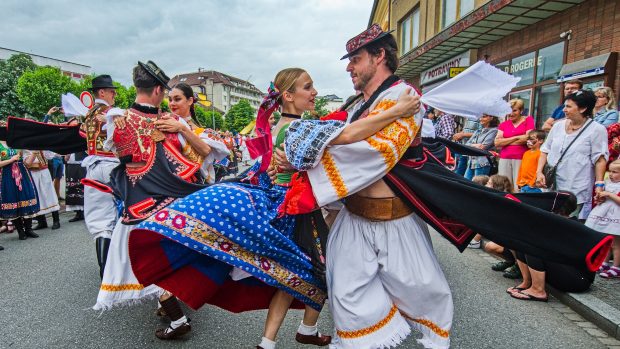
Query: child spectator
{"points": [[481, 179], [605, 217], [526, 180], [508, 265]]}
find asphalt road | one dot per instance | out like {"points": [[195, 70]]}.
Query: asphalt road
{"points": [[47, 286]]}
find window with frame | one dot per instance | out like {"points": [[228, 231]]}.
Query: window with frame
{"points": [[538, 88], [409, 28], [453, 10]]}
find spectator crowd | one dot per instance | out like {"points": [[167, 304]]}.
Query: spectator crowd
{"points": [[573, 152]]}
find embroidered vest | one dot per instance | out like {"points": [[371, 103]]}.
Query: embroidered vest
{"points": [[92, 130], [136, 141]]}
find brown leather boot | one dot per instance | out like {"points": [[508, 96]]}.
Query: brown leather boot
{"points": [[317, 339], [173, 310]]}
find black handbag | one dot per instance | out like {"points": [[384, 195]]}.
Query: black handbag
{"points": [[550, 171]]}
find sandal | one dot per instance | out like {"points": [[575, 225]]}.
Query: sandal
{"points": [[515, 289], [528, 297], [611, 273]]}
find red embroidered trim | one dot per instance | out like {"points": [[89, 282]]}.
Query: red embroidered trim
{"points": [[414, 164], [457, 231], [137, 210], [597, 255], [190, 167], [140, 171]]}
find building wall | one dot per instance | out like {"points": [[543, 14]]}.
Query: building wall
{"points": [[594, 32], [73, 70]]}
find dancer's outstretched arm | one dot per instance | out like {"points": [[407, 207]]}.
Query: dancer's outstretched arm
{"points": [[406, 106]]}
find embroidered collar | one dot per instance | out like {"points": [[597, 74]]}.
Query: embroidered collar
{"points": [[147, 109]]}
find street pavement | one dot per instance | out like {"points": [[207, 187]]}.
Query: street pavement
{"points": [[47, 286]]}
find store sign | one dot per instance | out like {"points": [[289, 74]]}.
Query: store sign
{"points": [[442, 70], [456, 71], [524, 65]]}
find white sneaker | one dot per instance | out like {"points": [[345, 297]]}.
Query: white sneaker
{"points": [[474, 244]]}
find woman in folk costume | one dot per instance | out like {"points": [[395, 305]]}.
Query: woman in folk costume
{"points": [[74, 191], [18, 199], [153, 172], [191, 247], [383, 277], [37, 163]]}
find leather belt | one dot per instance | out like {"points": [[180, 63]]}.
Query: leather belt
{"points": [[377, 209]]}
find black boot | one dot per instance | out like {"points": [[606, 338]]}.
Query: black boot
{"points": [[102, 245], [19, 226], [41, 222], [79, 216], [56, 217], [1, 248], [28, 228], [173, 309]]}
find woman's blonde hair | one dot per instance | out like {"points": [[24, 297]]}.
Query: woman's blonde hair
{"points": [[517, 103], [285, 79], [614, 163], [609, 93]]}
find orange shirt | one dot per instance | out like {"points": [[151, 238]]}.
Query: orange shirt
{"points": [[527, 171]]}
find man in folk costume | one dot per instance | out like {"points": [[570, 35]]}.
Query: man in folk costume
{"points": [[153, 172], [37, 163], [100, 210], [382, 275]]}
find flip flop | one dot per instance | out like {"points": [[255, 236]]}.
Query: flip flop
{"points": [[529, 297], [515, 289]]}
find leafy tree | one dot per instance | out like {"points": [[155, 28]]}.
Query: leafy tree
{"points": [[320, 109], [277, 115], [10, 71], [124, 96], [40, 89], [164, 105], [83, 85], [205, 118], [239, 116]]}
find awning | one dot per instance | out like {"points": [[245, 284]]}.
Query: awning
{"points": [[490, 22], [586, 67]]}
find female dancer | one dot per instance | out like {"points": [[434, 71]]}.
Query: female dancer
{"points": [[239, 225], [19, 201]]}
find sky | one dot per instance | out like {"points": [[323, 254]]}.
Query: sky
{"points": [[247, 39]]}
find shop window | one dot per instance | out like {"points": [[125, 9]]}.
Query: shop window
{"points": [[453, 10], [546, 100], [523, 67], [593, 85], [549, 62], [410, 31], [526, 96]]}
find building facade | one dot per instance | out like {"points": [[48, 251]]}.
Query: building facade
{"points": [[545, 42], [333, 102], [221, 89], [74, 70]]}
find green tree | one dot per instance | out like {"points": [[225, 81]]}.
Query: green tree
{"points": [[40, 89], [10, 71], [239, 116], [320, 109], [205, 118], [124, 96]]}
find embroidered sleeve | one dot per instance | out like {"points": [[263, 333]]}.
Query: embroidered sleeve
{"points": [[306, 141], [346, 169]]}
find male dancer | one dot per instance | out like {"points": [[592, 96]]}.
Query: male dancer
{"points": [[383, 277], [100, 211]]}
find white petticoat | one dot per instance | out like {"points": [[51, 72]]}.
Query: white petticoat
{"points": [[48, 201]]}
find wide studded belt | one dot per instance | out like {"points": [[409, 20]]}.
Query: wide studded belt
{"points": [[377, 209]]}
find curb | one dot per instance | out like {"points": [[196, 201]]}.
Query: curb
{"points": [[592, 309]]}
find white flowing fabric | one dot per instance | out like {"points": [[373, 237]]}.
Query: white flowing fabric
{"points": [[480, 89], [72, 106]]}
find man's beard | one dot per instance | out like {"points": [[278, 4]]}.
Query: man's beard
{"points": [[363, 78]]}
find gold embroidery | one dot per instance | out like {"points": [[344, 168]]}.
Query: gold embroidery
{"points": [[428, 323], [368, 330], [207, 235], [334, 175], [120, 288]]}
